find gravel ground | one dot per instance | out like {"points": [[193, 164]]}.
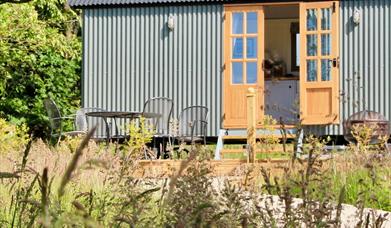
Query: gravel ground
{"points": [[350, 215]]}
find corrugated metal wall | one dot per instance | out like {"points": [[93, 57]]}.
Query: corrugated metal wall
{"points": [[365, 55], [130, 56]]}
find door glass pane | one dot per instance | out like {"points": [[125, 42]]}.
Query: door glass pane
{"points": [[237, 47], [252, 22], [326, 70], [326, 19], [237, 25], [326, 44], [237, 73], [312, 45], [252, 47], [312, 19], [251, 72], [312, 70]]}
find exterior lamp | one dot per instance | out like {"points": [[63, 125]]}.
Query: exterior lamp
{"points": [[171, 22], [356, 17]]}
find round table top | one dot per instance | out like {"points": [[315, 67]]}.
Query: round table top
{"points": [[123, 114]]}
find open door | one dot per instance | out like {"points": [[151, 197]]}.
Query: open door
{"points": [[319, 101], [244, 51]]}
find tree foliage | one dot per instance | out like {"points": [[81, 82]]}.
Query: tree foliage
{"points": [[40, 57]]}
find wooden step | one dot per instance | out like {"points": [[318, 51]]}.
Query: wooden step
{"points": [[244, 137], [265, 150]]}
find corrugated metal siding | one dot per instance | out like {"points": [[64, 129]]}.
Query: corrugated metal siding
{"points": [[365, 55], [130, 56]]}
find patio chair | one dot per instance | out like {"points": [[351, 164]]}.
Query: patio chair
{"points": [[164, 107], [57, 121], [83, 122], [192, 123]]}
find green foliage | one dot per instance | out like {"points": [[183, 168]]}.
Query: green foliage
{"points": [[37, 61], [12, 137], [140, 134]]}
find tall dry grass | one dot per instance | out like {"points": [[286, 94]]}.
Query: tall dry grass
{"points": [[81, 183]]}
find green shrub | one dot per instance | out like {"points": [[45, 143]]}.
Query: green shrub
{"points": [[36, 61], [12, 138]]}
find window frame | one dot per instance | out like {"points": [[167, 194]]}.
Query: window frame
{"points": [[295, 29]]}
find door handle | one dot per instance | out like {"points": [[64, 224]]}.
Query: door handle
{"points": [[335, 62]]}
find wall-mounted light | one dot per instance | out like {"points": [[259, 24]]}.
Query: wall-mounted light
{"points": [[356, 17], [171, 22]]}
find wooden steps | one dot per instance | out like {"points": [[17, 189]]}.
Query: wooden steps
{"points": [[243, 137], [275, 151]]}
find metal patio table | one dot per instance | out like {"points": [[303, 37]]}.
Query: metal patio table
{"points": [[122, 114]]}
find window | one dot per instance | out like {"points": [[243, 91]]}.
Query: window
{"points": [[295, 46]]}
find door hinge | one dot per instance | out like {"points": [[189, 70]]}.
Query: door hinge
{"points": [[223, 67], [334, 7]]}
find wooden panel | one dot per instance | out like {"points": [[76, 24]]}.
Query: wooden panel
{"points": [[236, 99], [226, 167], [319, 102]]}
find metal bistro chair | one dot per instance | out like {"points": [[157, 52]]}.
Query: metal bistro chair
{"points": [[192, 124], [56, 121], [83, 122], [162, 106]]}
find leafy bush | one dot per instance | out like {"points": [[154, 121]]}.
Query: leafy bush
{"points": [[12, 137], [36, 61]]}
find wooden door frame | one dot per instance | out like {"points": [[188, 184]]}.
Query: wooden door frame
{"points": [[282, 3]]}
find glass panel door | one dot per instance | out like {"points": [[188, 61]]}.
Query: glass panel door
{"points": [[243, 50], [319, 74]]}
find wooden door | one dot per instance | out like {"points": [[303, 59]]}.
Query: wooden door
{"points": [[243, 56], [319, 102]]}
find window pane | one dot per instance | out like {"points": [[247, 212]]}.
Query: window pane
{"points": [[237, 25], [252, 22], [326, 70], [237, 73], [312, 70], [298, 49], [252, 47], [326, 19], [237, 47], [312, 45], [312, 19], [252, 72], [326, 44]]}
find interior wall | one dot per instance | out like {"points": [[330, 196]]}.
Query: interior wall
{"points": [[278, 39]]}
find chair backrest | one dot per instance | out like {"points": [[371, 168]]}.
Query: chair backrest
{"points": [[53, 114], [193, 115], [162, 106], [84, 122]]}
